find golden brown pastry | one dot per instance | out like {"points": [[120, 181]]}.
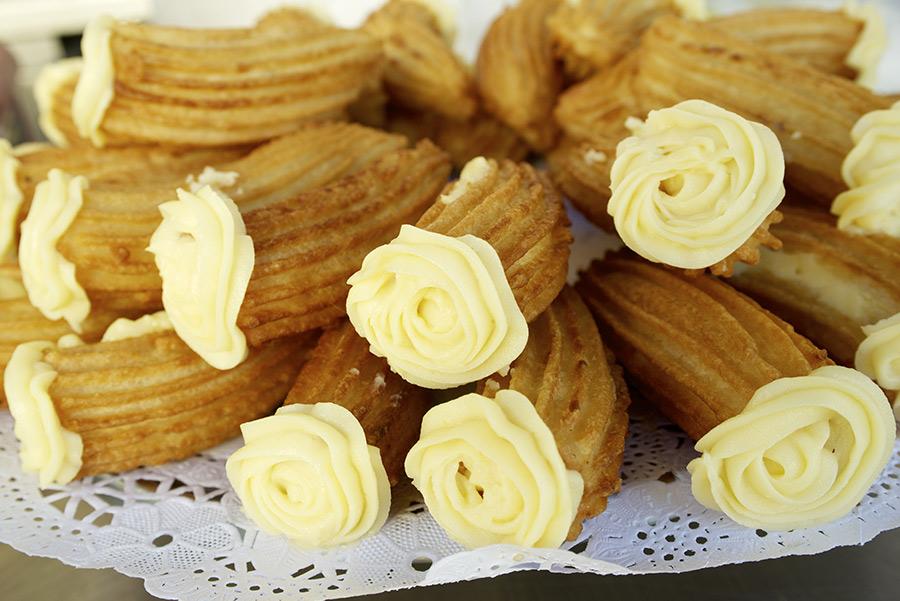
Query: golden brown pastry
{"points": [[811, 112], [694, 346], [518, 78], [144, 83], [421, 71], [580, 394], [826, 282]]}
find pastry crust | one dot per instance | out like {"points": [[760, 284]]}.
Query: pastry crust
{"points": [[694, 346], [579, 393], [341, 370], [518, 78], [844, 281], [209, 87], [811, 112]]}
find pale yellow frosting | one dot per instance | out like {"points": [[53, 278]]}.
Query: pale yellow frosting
{"points": [[696, 10], [307, 473], [693, 183], [46, 448], [879, 354], [48, 82], [124, 328], [205, 259], [96, 85], [49, 277], [491, 473], [211, 177], [803, 452], [871, 43], [872, 171], [438, 308], [473, 172], [10, 199]]}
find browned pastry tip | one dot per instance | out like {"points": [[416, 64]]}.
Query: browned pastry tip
{"points": [[578, 392], [341, 370], [150, 400], [215, 87], [516, 210], [481, 135], [107, 241], [308, 245], [811, 112], [820, 38], [825, 281], [580, 169], [694, 346], [58, 114], [421, 70], [517, 74]]}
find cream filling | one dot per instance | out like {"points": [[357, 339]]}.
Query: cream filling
{"points": [[439, 309], [693, 183], [308, 474], [205, 259], [11, 198], [866, 53], [124, 328], [491, 473], [213, 178], [474, 171], [879, 354], [696, 10], [46, 448], [48, 82], [96, 85], [803, 452], [49, 277]]}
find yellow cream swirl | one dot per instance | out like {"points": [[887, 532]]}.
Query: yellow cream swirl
{"points": [[491, 473], [693, 183], [872, 172], [803, 452], [870, 45], [879, 354], [307, 473], [205, 259], [46, 448], [49, 277], [95, 89], [10, 198], [48, 82], [438, 308], [124, 328]]}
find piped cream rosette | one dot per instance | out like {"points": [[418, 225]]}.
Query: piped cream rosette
{"points": [[438, 308], [871, 43], [490, 472], [95, 89], [205, 259], [307, 473], [803, 452], [872, 172], [879, 355], [693, 183], [49, 277]]}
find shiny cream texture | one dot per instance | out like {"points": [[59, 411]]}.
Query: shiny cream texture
{"points": [[47, 84], [10, 199], [871, 43], [693, 183], [803, 452], [124, 328], [46, 448], [95, 89], [879, 354], [872, 172], [49, 277], [307, 473], [491, 473], [439, 309], [205, 259]]}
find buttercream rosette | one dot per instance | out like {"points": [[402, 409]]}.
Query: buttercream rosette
{"points": [[490, 472], [879, 354], [803, 452], [438, 308], [308, 474], [693, 183]]}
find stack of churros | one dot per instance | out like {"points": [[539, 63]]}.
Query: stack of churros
{"points": [[211, 247]]}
